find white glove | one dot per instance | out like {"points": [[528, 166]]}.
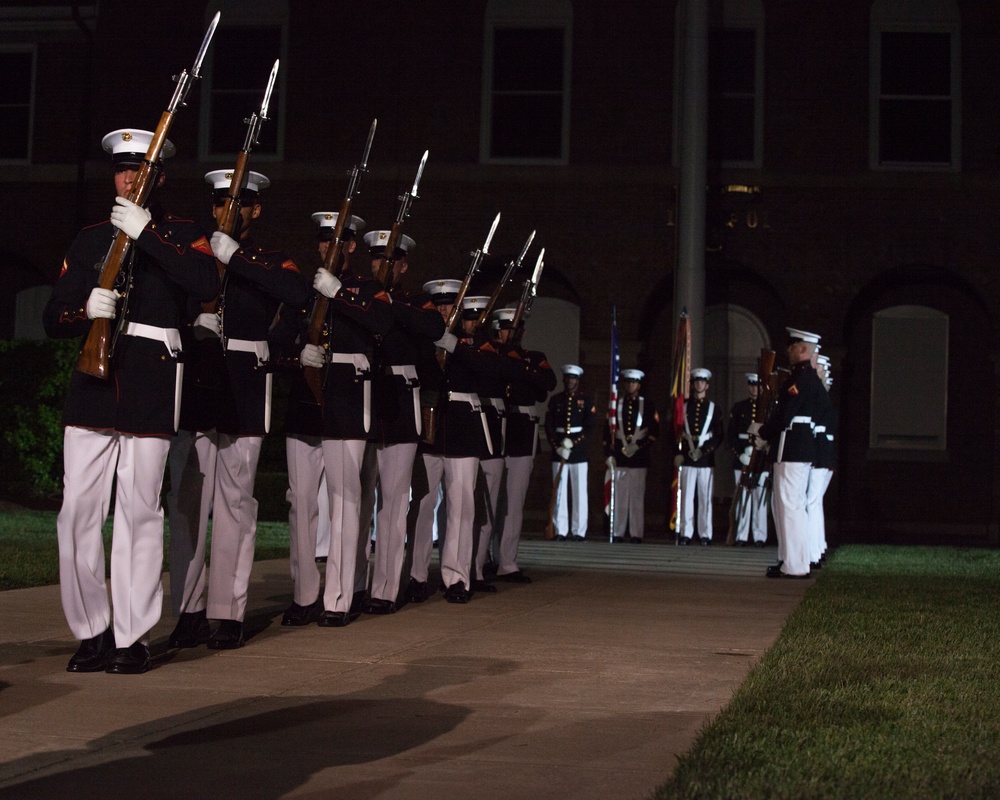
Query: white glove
{"points": [[128, 217], [678, 460], [754, 428], [326, 283], [567, 443], [101, 303], [610, 462], [745, 459], [224, 246], [206, 326], [447, 342], [757, 442], [312, 355], [563, 453], [629, 449], [696, 454]]}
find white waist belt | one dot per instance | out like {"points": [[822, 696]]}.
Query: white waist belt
{"points": [[473, 400], [466, 397], [360, 363], [574, 429], [358, 360], [259, 348], [171, 337], [498, 404], [529, 411]]}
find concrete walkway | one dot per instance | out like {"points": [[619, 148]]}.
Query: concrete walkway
{"points": [[587, 683]]}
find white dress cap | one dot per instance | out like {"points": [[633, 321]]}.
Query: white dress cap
{"points": [[795, 335], [328, 219], [702, 373], [133, 141], [223, 179], [572, 369], [381, 238], [752, 377], [631, 375]]}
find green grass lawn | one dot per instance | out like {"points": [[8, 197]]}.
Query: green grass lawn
{"points": [[885, 683], [29, 555]]}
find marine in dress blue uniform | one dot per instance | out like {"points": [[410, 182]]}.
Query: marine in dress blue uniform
{"points": [[703, 434], [637, 428], [754, 514], [790, 436], [121, 427], [529, 378], [569, 424], [402, 356]]}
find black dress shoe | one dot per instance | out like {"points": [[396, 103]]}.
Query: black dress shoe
{"points": [[815, 565], [562, 538], [635, 540], [514, 577], [457, 593], [378, 606], [359, 601], [131, 660], [416, 591], [334, 619], [577, 538], [94, 654], [228, 636], [774, 571], [684, 541], [617, 539], [192, 629], [296, 616], [758, 544], [320, 559], [489, 569], [705, 542], [484, 586]]}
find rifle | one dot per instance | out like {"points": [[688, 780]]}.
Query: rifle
{"points": [[456, 309], [231, 207], [750, 473], [527, 298], [94, 355], [389, 255], [317, 318], [512, 267]]}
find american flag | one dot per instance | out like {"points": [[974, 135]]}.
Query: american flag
{"points": [[612, 404]]}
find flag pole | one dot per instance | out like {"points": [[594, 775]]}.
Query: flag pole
{"points": [[610, 477]]}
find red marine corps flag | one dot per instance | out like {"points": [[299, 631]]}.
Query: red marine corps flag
{"points": [[679, 388], [609, 475]]}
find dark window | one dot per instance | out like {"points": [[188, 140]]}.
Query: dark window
{"points": [[528, 93], [16, 68], [732, 88], [242, 58], [915, 98]]}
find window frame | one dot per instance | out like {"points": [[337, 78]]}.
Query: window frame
{"points": [[540, 15], [246, 14], [875, 98], [32, 50], [756, 25]]}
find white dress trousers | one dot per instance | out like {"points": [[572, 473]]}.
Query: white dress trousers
{"points": [[696, 480], [573, 482], [92, 459], [234, 526]]}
